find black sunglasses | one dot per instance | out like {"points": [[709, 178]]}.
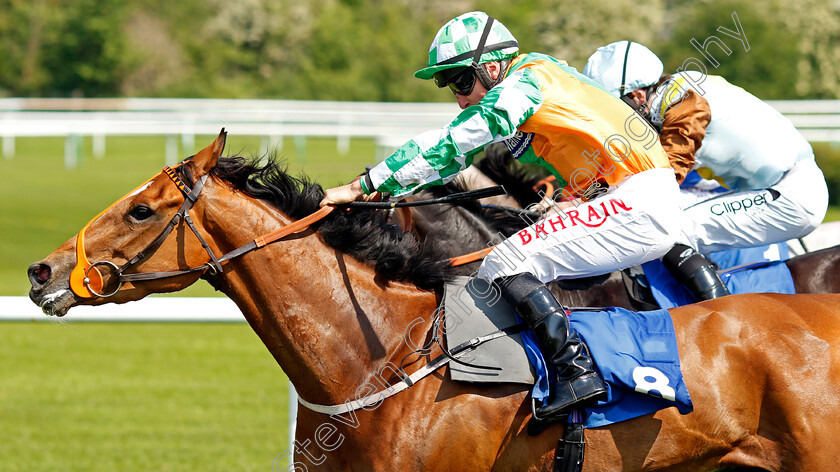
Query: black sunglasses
{"points": [[460, 81]]}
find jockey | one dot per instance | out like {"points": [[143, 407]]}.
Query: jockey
{"points": [[775, 191], [547, 114]]}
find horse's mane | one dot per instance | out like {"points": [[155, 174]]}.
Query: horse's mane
{"points": [[363, 234]]}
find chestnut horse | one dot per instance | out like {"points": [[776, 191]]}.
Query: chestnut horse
{"points": [[333, 301]]}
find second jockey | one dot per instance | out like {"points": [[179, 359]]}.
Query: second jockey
{"points": [[774, 189]]}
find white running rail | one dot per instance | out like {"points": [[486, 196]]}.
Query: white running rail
{"points": [[390, 124]]}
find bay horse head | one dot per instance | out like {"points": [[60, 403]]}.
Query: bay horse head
{"points": [[238, 224], [192, 220], [129, 234]]}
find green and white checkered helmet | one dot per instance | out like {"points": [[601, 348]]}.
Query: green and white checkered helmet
{"points": [[456, 43]]}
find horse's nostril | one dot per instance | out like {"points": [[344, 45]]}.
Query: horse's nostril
{"points": [[40, 273], [44, 273]]}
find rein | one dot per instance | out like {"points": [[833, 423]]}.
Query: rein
{"points": [[482, 253], [454, 198]]}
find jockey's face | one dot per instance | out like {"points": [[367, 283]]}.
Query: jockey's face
{"points": [[639, 97], [479, 90]]}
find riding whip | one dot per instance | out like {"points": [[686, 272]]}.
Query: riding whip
{"points": [[454, 198]]}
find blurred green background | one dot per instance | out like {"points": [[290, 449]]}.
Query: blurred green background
{"points": [[368, 49]]}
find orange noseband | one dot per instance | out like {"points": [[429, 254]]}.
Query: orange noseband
{"points": [[85, 279]]}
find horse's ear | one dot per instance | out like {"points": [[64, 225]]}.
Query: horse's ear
{"points": [[206, 159]]}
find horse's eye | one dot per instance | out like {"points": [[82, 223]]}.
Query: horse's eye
{"points": [[141, 212]]}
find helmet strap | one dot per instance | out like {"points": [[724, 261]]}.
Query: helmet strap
{"points": [[640, 109], [487, 81], [480, 71], [625, 94], [622, 89], [484, 34]]}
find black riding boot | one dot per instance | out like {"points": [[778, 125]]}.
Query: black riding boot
{"points": [[576, 383], [695, 272]]}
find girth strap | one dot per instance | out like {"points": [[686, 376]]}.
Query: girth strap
{"points": [[425, 371]]}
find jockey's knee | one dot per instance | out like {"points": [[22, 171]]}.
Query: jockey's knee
{"points": [[813, 222], [809, 222]]}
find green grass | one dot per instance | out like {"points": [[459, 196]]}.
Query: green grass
{"points": [[42, 204], [139, 397]]}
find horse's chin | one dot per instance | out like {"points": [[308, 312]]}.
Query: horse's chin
{"points": [[57, 303]]}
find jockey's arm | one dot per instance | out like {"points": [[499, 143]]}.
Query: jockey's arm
{"points": [[435, 157], [683, 130]]}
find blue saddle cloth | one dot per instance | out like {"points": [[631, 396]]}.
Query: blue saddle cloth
{"points": [[769, 274], [636, 354]]}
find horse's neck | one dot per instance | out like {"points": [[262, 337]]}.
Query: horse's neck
{"points": [[453, 230], [325, 317]]}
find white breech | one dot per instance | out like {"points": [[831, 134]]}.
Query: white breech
{"points": [[790, 209], [636, 221]]}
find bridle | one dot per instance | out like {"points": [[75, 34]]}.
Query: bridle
{"points": [[87, 282]]}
